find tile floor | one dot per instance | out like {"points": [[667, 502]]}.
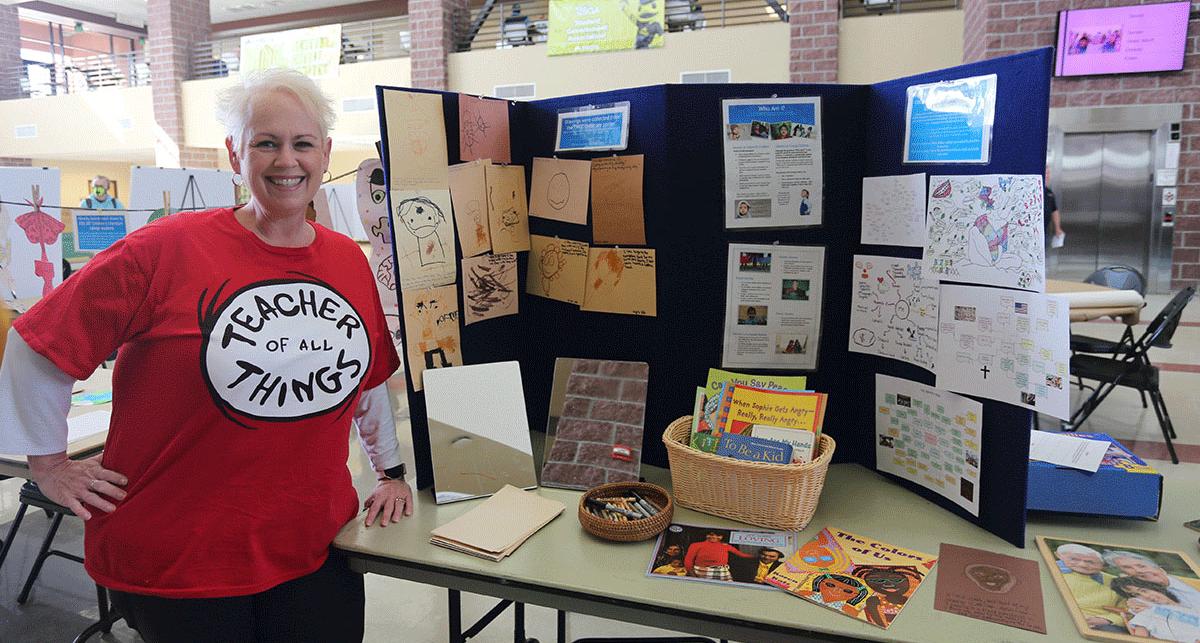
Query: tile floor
{"points": [[63, 601]]}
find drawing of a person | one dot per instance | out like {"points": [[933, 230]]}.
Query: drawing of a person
{"points": [[421, 218], [835, 591], [609, 267], [891, 587], [805, 210], [987, 246]]}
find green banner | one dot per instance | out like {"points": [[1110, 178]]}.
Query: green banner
{"points": [[585, 26], [313, 51]]}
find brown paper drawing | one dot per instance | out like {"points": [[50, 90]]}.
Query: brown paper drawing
{"points": [[557, 269], [468, 192], [416, 131], [621, 280], [431, 326], [508, 211], [371, 193], [617, 213], [483, 129], [559, 189], [489, 287], [424, 229]]}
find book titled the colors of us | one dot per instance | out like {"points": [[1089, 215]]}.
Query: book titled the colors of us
{"points": [[860, 577]]}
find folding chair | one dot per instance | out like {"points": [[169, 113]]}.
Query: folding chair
{"points": [[1132, 369], [1120, 278]]}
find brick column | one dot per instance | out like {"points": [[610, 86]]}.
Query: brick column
{"points": [[1001, 27], [173, 27], [11, 70], [434, 25], [814, 45]]}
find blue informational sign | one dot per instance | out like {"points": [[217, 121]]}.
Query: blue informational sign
{"points": [[951, 122], [96, 232], [774, 112], [594, 129]]}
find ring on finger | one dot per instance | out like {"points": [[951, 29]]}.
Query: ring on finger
{"points": [[92, 484]]}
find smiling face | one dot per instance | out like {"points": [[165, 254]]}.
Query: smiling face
{"points": [[833, 590], [1141, 569], [421, 216], [672, 551], [768, 556], [283, 155], [1081, 563]]}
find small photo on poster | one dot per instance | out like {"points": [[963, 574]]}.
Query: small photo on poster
{"points": [[754, 262], [753, 209], [752, 315]]}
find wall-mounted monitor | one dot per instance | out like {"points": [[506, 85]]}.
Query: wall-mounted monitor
{"points": [[1122, 40]]}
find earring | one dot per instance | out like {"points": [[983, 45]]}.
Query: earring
{"points": [[328, 177], [237, 179]]}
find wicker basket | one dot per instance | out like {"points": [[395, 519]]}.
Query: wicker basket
{"points": [[633, 530], [777, 496]]}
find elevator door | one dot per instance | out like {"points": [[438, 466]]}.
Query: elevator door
{"points": [[1105, 187]]}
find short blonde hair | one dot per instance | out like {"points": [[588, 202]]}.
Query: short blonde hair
{"points": [[234, 104]]}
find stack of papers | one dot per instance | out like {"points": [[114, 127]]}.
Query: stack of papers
{"points": [[499, 525], [1067, 450]]}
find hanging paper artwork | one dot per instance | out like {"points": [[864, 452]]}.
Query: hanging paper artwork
{"points": [[30, 221], [489, 287], [431, 326], [424, 233], [987, 230], [894, 310], [371, 193]]}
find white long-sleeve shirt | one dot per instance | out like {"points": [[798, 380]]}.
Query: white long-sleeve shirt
{"points": [[35, 397]]}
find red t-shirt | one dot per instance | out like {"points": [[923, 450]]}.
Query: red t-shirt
{"points": [[706, 554], [239, 368]]}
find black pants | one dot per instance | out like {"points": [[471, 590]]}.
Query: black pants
{"points": [[325, 606]]}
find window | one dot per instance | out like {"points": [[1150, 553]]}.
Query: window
{"points": [[715, 76], [523, 91]]}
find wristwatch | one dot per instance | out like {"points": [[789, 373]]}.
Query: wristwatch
{"points": [[395, 473]]}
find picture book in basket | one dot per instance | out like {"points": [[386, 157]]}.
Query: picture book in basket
{"points": [[792, 417], [720, 555], [858, 576]]}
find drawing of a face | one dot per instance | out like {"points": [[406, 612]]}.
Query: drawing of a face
{"points": [[816, 557], [835, 587], [551, 262], [558, 192], [371, 196], [990, 578], [890, 583], [609, 267], [506, 205], [421, 216]]}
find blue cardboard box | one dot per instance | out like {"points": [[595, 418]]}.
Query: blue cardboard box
{"points": [[1125, 486]]}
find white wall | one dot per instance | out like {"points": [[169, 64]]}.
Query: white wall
{"points": [[883, 47]]}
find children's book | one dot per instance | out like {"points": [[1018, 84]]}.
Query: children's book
{"points": [[745, 447], [708, 417], [858, 576], [718, 377], [771, 414], [720, 555]]}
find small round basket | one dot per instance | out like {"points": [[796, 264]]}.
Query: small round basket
{"points": [[632, 530]]}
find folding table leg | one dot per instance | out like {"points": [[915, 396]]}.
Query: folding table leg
{"points": [[455, 617], [518, 622], [562, 626]]}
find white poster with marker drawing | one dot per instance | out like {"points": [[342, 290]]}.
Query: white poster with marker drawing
{"points": [[424, 229], [931, 437], [893, 210], [987, 230], [894, 310], [773, 306], [1006, 345]]}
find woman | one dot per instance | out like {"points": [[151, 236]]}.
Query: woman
{"points": [[248, 340]]}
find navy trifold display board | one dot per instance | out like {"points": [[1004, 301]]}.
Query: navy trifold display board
{"points": [[679, 130]]}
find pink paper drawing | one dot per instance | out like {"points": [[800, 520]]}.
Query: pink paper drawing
{"points": [[41, 228]]}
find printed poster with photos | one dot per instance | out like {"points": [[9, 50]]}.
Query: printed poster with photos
{"points": [[987, 230], [860, 577], [930, 437], [1006, 345], [894, 310], [773, 171], [719, 555], [1145, 594], [773, 306]]}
